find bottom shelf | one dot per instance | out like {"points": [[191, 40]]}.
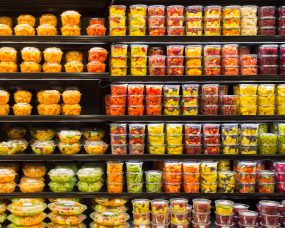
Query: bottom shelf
{"points": [[280, 196]]}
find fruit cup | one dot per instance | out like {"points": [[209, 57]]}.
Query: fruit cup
{"points": [[193, 149], [175, 10], [192, 129], [194, 11], [213, 11], [156, 10], [268, 207]]}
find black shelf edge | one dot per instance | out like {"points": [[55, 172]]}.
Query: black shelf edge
{"points": [[63, 76], [145, 195], [225, 79], [87, 40], [142, 157], [107, 119]]}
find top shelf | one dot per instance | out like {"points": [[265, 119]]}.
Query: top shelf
{"points": [[87, 40]]}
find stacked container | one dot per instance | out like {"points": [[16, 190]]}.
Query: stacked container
{"points": [[226, 182], [156, 138], [8, 59], [69, 141], [31, 59], [74, 61], [62, 179], [230, 59], [4, 100], [118, 60], [153, 180], [175, 60], [281, 138], [268, 57], [27, 212], [281, 22], [43, 142], [248, 64], [115, 177], [70, 21], [118, 135], [171, 99], [212, 20], [47, 26], [90, 179], [65, 212], [174, 138], [193, 60], [153, 100], [117, 20], [137, 20], [238, 207], [211, 138], [248, 138], [201, 212], [248, 20], [96, 27], [33, 181], [280, 99], [48, 102], [209, 176], [138, 57], [209, 99], [279, 168], [224, 213], [156, 63], [141, 212], [212, 60], [266, 99], [190, 99], [179, 212], [136, 138], [3, 214], [230, 138], [156, 20], [175, 20], [7, 184], [268, 213], [52, 57], [193, 138], [117, 101], [159, 213], [94, 143], [172, 176], [246, 176], [267, 20], [248, 99], [26, 25], [231, 20], [97, 57], [194, 20], [228, 105], [268, 143], [282, 59], [266, 181], [135, 100], [134, 177], [191, 177]]}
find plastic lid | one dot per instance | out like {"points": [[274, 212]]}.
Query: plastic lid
{"points": [[61, 172], [67, 206], [84, 172], [40, 144], [26, 207]]}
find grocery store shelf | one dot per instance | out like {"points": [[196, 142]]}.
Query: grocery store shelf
{"points": [[107, 119], [145, 195], [225, 79], [141, 157], [87, 40]]}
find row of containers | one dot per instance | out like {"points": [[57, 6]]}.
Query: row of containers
{"points": [[156, 213], [196, 20], [196, 60], [193, 99], [170, 177], [228, 138]]}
